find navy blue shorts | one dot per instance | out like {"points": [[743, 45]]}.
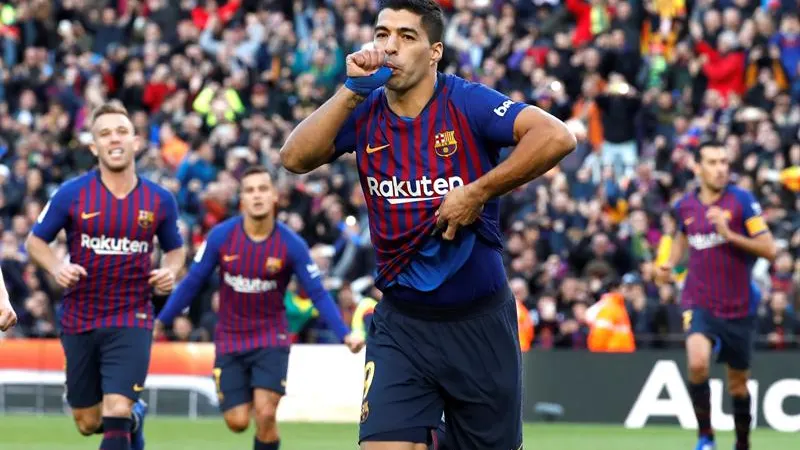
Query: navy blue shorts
{"points": [[237, 374], [733, 339], [419, 364], [106, 361]]}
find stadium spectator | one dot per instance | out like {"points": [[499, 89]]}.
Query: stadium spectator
{"points": [[215, 85]]}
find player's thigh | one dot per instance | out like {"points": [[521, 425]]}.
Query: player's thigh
{"points": [[268, 369], [400, 402], [700, 339], [124, 359], [232, 378], [83, 387], [265, 406], [738, 340], [483, 394]]}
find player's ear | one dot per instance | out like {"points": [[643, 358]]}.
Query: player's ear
{"points": [[437, 50], [93, 149]]}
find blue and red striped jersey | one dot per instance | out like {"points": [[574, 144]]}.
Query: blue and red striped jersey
{"points": [[112, 238], [254, 277], [407, 166], [719, 274]]}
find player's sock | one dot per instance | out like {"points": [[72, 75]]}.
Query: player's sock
{"points": [[742, 420], [701, 400], [117, 435], [258, 445]]}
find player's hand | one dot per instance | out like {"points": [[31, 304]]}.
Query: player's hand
{"points": [[163, 280], [664, 273], [366, 71], [716, 216], [460, 208], [8, 318], [364, 62], [354, 342], [68, 274]]}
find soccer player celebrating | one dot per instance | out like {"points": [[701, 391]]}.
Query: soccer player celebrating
{"points": [[444, 337], [111, 217], [257, 256], [722, 227]]}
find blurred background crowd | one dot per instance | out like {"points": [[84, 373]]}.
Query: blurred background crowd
{"points": [[215, 85]]}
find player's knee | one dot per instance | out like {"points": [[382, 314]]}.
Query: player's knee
{"points": [[698, 368], [237, 420], [266, 416], [237, 424], [737, 385], [117, 406], [87, 422]]}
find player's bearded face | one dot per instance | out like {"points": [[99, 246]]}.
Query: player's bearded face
{"points": [[115, 142], [714, 168], [409, 52], [258, 196]]}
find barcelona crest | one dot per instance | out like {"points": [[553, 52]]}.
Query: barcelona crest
{"points": [[146, 218], [274, 265], [445, 144]]}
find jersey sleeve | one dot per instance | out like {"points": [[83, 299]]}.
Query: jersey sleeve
{"points": [[676, 214], [490, 113], [752, 216], [169, 237], [54, 215], [345, 141], [205, 261], [310, 278]]}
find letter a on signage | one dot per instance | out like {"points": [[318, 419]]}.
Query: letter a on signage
{"points": [[665, 375]]}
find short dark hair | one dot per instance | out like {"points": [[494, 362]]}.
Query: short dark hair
{"points": [[255, 170], [429, 10], [112, 107], [698, 154]]}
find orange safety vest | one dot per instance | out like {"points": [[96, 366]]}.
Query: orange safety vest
{"points": [[610, 326], [525, 324]]}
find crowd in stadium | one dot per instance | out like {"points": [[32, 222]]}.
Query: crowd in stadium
{"points": [[214, 86]]}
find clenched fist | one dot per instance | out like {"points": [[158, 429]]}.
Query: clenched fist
{"points": [[8, 317], [68, 274], [365, 62]]}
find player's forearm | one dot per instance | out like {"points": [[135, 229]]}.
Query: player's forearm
{"points": [[764, 248], [174, 260], [181, 297], [537, 152], [678, 247], [41, 254], [310, 144]]}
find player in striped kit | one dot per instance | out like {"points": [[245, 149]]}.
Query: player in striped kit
{"points": [[257, 257], [721, 227], [111, 217], [444, 338]]}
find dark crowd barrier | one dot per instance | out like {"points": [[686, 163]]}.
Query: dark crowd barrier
{"points": [[648, 387]]}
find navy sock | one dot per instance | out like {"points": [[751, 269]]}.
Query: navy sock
{"points": [[701, 400], [742, 420], [258, 445], [117, 434]]}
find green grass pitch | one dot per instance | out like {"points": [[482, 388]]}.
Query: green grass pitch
{"points": [[49, 433]]}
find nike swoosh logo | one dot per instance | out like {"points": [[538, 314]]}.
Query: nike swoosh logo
{"points": [[137, 388], [87, 216], [229, 258], [375, 149]]}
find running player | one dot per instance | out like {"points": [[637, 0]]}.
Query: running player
{"points": [[722, 228], [257, 256], [444, 337], [111, 217]]}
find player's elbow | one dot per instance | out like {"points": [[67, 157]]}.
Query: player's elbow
{"points": [[771, 251], [292, 161], [564, 140]]}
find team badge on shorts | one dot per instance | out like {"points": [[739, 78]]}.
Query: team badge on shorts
{"points": [[146, 218], [364, 411]]}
